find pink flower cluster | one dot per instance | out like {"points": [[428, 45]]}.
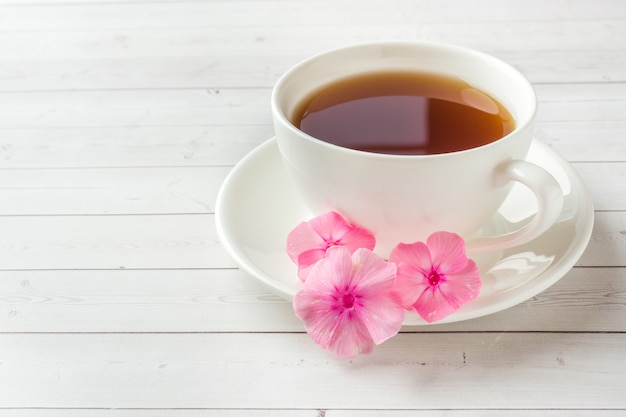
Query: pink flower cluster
{"points": [[352, 298]]}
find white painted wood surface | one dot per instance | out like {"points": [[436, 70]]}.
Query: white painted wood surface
{"points": [[119, 120]]}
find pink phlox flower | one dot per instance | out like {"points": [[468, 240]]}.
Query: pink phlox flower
{"points": [[309, 241], [347, 302], [435, 279]]}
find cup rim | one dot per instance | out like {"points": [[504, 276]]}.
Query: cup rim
{"points": [[279, 115]]}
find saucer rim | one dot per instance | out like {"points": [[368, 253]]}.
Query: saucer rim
{"points": [[576, 247]]}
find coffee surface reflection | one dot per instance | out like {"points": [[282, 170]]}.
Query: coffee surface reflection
{"points": [[403, 113]]}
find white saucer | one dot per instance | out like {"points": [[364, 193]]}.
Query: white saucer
{"points": [[257, 207]]}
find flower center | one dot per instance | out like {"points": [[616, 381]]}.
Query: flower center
{"points": [[433, 278], [348, 301], [330, 244]]}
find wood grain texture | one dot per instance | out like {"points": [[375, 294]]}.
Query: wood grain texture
{"points": [[307, 413], [193, 190], [181, 413], [586, 299], [412, 371], [97, 15], [119, 120], [111, 242], [183, 241], [226, 71], [110, 191]]}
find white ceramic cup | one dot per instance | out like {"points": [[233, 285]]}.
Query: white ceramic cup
{"points": [[405, 198]]}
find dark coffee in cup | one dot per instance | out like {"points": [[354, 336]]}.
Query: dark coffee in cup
{"points": [[404, 113]]}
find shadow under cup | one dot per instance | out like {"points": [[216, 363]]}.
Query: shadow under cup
{"points": [[405, 198]]}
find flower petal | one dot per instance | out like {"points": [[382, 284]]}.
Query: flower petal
{"points": [[410, 284], [439, 301], [382, 316], [340, 332], [416, 254], [331, 226], [319, 292], [306, 260], [447, 251], [331, 327], [333, 272], [456, 278], [433, 306], [301, 239], [372, 274], [313, 306], [357, 237], [307, 243], [462, 286], [370, 316], [350, 337]]}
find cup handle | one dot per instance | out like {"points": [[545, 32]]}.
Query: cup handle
{"points": [[549, 200]]}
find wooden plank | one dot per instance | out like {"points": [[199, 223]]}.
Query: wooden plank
{"points": [[110, 191], [410, 371], [474, 413], [585, 140], [202, 127], [182, 241], [105, 240], [131, 109], [592, 102], [246, 107], [205, 107], [576, 35], [228, 300], [30, 412], [244, 72], [190, 190], [188, 146], [110, 242], [157, 300], [130, 146], [97, 15], [308, 413], [112, 107], [605, 182], [608, 241]]}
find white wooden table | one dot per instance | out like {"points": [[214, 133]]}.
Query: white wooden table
{"points": [[119, 121]]}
